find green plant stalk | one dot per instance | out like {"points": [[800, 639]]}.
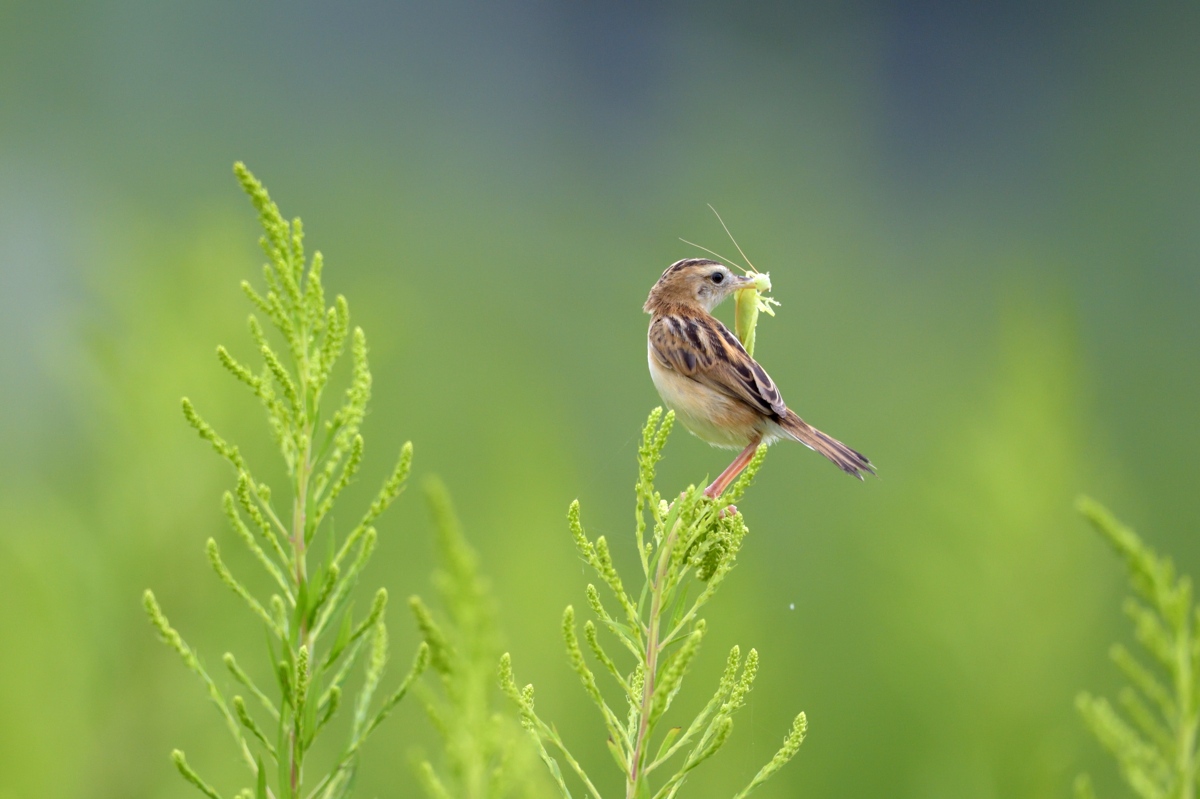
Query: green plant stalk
{"points": [[290, 388], [298, 538], [1154, 742], [651, 659], [1185, 760], [691, 540], [299, 506], [485, 754]]}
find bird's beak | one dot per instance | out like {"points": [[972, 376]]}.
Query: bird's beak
{"points": [[742, 282]]}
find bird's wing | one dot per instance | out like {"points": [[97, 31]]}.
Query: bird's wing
{"points": [[702, 348]]}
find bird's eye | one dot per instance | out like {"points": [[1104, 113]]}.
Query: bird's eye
{"points": [[717, 277]]}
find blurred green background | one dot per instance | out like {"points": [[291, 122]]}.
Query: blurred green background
{"points": [[981, 220]]}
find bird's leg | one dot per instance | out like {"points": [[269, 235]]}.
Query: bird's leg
{"points": [[730, 474]]}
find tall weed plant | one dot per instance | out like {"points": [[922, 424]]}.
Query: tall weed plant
{"points": [[686, 549], [483, 751], [314, 638], [1151, 730]]}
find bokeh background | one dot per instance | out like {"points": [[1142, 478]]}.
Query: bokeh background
{"points": [[981, 220]]}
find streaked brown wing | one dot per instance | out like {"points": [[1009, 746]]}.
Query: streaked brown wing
{"points": [[705, 350]]}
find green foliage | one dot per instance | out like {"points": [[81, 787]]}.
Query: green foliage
{"points": [[485, 754], [313, 640], [692, 542], [1154, 741]]}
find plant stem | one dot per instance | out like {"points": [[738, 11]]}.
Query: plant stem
{"points": [[299, 529], [1186, 729], [652, 652]]}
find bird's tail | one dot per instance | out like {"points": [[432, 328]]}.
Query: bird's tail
{"points": [[846, 459]]}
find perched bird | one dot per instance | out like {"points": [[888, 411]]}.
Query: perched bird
{"points": [[705, 375]]}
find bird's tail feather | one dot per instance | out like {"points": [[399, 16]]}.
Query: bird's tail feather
{"points": [[846, 459]]}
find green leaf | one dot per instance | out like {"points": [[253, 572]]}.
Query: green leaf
{"points": [[301, 610], [617, 754], [260, 787], [343, 637], [668, 739]]}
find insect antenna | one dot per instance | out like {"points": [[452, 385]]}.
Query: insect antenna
{"points": [[731, 238], [713, 252]]}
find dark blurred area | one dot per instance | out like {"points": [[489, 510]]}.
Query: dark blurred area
{"points": [[981, 220]]}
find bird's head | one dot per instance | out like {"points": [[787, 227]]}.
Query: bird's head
{"points": [[694, 283]]}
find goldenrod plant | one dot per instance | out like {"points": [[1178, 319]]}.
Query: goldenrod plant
{"points": [[1153, 736], [484, 753], [314, 638], [686, 548]]}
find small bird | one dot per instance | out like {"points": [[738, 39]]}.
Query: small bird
{"points": [[705, 375]]}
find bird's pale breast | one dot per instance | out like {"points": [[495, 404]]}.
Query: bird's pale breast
{"points": [[707, 413]]}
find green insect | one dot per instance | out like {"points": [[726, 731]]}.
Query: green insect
{"points": [[748, 304]]}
